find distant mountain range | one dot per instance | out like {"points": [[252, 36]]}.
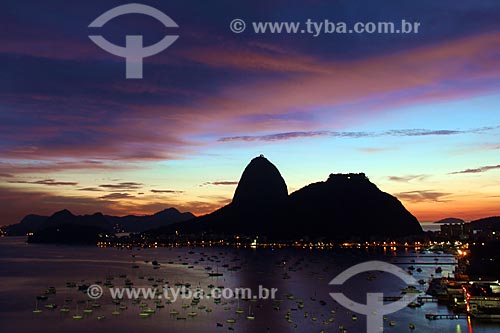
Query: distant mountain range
{"points": [[486, 223], [345, 206], [108, 223], [449, 220]]}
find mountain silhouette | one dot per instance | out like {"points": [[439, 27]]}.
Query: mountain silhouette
{"points": [[63, 216], [258, 202], [346, 206], [261, 185], [108, 223], [491, 223], [449, 220], [29, 223], [349, 206]]}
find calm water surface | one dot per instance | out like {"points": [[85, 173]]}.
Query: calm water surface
{"points": [[27, 270]]}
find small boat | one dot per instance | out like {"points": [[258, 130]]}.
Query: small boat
{"points": [[250, 316], [411, 326], [116, 312], [37, 310], [77, 315], [50, 291]]}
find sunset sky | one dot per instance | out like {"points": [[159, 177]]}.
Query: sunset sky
{"points": [[418, 113]]}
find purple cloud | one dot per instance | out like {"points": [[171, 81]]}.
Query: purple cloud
{"points": [[49, 182], [477, 170]]}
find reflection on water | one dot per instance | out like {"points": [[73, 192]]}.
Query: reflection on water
{"points": [[301, 277]]}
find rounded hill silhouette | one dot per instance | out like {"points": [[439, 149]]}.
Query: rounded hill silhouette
{"points": [[261, 185]]}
